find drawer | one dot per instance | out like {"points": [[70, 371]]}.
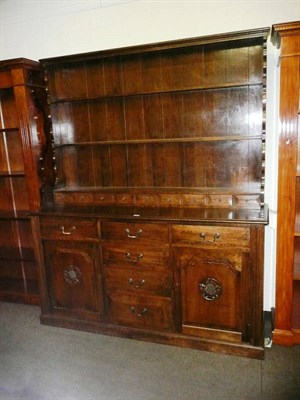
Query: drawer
{"points": [[141, 257], [141, 312], [211, 236], [69, 228], [148, 234], [138, 282]]}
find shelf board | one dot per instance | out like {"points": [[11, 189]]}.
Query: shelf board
{"points": [[7, 130], [164, 141], [161, 190], [14, 215], [5, 174], [148, 93], [18, 259]]}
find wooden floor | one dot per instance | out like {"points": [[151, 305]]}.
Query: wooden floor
{"points": [[44, 363]]}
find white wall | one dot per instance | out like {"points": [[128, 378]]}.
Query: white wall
{"points": [[44, 28]]}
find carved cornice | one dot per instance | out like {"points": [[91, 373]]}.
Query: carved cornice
{"points": [[284, 29]]}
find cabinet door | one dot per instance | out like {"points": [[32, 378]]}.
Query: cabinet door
{"points": [[75, 287], [212, 292]]}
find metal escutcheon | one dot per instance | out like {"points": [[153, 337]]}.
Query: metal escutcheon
{"points": [[210, 288], [72, 275]]}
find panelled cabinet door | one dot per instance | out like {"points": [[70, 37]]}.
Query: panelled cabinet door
{"points": [[74, 279], [212, 293]]}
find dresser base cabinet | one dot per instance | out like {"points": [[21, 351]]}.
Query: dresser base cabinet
{"points": [[204, 343], [187, 284]]}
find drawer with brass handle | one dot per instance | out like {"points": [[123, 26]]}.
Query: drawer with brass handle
{"points": [[147, 234], [146, 312], [69, 228], [139, 257], [138, 282], [211, 236]]}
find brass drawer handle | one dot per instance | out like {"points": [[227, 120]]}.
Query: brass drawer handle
{"points": [[203, 237], [69, 232], [137, 285], [138, 233], [141, 314], [131, 258]]}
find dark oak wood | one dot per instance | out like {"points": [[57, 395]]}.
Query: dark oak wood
{"points": [[155, 227], [287, 322], [200, 311], [74, 291], [192, 100]]}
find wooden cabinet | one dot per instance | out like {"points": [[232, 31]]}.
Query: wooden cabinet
{"points": [[219, 275], [72, 253], [22, 122], [287, 318], [137, 273], [158, 196], [73, 275]]}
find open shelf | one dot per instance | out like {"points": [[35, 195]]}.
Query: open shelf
{"points": [[142, 165], [4, 174], [152, 189], [14, 215], [231, 114], [164, 141], [23, 120], [186, 118], [9, 121], [9, 130], [218, 86]]}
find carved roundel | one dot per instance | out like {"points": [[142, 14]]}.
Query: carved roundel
{"points": [[210, 289], [72, 275]]}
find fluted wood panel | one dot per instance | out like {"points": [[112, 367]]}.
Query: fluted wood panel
{"points": [[287, 280]]}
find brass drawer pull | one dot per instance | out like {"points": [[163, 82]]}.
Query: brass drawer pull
{"points": [[69, 232], [138, 233], [141, 314], [203, 237], [131, 258], [136, 284]]}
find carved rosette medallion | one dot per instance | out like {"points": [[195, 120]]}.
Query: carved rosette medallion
{"points": [[72, 275], [210, 289]]}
